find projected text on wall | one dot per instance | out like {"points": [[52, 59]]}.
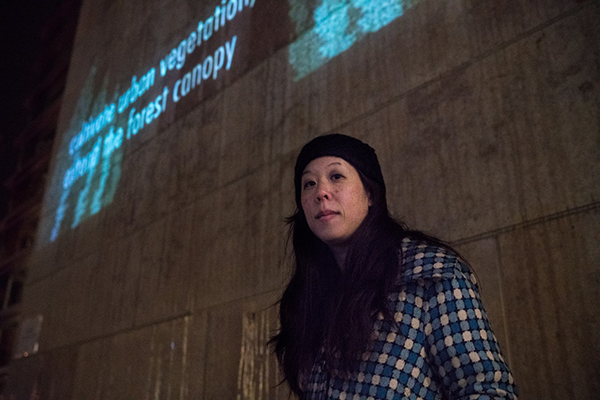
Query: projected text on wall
{"points": [[89, 163], [94, 150]]}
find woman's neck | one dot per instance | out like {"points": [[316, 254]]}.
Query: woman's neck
{"points": [[339, 253]]}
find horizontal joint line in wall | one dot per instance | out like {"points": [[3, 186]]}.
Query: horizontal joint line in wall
{"points": [[461, 67], [525, 224], [115, 333]]}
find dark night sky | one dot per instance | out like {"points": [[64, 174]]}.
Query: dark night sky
{"points": [[20, 41]]}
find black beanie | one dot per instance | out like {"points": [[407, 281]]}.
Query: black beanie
{"points": [[360, 155]]}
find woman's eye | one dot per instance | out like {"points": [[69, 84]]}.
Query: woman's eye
{"points": [[336, 176], [308, 184]]}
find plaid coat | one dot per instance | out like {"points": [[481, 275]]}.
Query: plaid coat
{"points": [[444, 347]]}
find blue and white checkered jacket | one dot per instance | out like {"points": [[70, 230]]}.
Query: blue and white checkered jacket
{"points": [[444, 347]]}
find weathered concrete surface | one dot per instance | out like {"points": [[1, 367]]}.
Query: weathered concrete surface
{"points": [[485, 119], [551, 295]]}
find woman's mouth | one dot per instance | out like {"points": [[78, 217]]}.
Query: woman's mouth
{"points": [[326, 215]]}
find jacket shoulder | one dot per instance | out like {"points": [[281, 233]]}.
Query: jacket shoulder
{"points": [[423, 260]]}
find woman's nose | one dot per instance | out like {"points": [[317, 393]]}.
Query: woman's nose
{"points": [[323, 192]]}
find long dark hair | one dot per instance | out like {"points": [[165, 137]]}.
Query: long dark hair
{"points": [[325, 308]]}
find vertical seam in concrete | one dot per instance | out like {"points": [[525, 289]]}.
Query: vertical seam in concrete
{"points": [[185, 384], [206, 347], [502, 303], [137, 286], [139, 281]]}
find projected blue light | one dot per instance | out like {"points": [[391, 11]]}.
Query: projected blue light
{"points": [[89, 160], [82, 165], [91, 128], [137, 89], [224, 13], [82, 200], [137, 120], [60, 214], [332, 25], [89, 166], [338, 25], [112, 142], [377, 14], [207, 69]]}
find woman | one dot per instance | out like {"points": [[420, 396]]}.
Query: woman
{"points": [[373, 310]]}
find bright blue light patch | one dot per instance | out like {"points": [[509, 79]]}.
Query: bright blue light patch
{"points": [[82, 200], [377, 14], [338, 25], [112, 142], [332, 27], [90, 160], [60, 214]]}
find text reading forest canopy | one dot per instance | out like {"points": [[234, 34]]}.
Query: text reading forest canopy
{"points": [[89, 167], [94, 150]]}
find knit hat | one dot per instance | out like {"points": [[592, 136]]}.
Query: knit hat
{"points": [[359, 154]]}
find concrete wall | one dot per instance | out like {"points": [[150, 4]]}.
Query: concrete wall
{"points": [[485, 116]]}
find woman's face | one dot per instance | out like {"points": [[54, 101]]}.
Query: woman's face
{"points": [[334, 199]]}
